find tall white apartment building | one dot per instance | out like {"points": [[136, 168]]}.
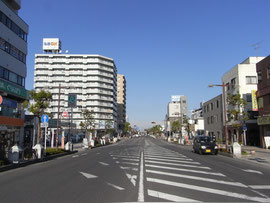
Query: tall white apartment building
{"points": [[13, 51], [91, 77]]}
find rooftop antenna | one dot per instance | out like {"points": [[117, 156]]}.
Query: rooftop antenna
{"points": [[256, 47]]}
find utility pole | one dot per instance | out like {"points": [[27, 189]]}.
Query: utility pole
{"points": [[57, 132]]}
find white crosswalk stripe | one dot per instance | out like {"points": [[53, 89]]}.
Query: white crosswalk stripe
{"points": [[209, 190], [186, 170], [169, 197], [197, 178], [188, 162], [163, 164]]}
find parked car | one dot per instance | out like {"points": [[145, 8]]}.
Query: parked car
{"points": [[204, 145]]}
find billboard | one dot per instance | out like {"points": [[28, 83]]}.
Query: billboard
{"points": [[51, 44], [254, 101], [175, 98]]}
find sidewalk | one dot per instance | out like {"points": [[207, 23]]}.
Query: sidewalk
{"points": [[256, 154]]}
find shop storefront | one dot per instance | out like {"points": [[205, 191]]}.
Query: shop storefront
{"points": [[264, 123], [11, 116]]}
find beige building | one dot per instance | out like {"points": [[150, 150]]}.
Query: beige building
{"points": [[121, 101]]}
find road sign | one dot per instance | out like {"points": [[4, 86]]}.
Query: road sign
{"points": [[1, 99], [72, 100], [244, 127], [44, 125], [65, 114], [44, 118]]}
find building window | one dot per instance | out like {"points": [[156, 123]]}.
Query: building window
{"points": [[260, 102], [259, 77], [233, 82], [212, 119], [217, 104], [228, 86], [12, 26], [268, 72], [12, 77], [251, 80], [248, 98], [7, 47]]}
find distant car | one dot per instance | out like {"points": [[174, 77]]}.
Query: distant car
{"points": [[204, 145]]}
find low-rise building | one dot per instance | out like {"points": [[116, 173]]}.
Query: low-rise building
{"points": [[263, 95], [213, 118]]}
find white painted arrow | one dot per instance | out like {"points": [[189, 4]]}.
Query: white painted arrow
{"points": [[115, 186], [252, 171], [132, 178], [104, 164], [87, 175]]}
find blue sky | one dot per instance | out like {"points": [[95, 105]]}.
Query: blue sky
{"points": [[163, 47]]}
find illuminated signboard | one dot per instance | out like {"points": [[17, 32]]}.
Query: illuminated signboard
{"points": [[51, 44]]}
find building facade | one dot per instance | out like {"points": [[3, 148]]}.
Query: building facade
{"points": [[91, 78], [213, 118], [197, 118], [13, 51], [176, 110], [242, 79], [121, 102], [263, 96]]}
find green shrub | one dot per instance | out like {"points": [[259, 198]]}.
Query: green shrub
{"points": [[244, 153], [52, 151]]}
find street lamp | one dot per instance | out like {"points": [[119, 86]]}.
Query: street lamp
{"points": [[224, 111]]}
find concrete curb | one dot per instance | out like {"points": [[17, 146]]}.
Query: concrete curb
{"points": [[27, 163]]}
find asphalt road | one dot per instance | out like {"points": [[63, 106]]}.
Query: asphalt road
{"points": [[141, 169]]}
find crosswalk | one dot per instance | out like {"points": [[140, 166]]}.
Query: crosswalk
{"points": [[160, 174]]}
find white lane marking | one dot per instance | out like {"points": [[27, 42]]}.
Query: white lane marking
{"points": [[104, 164], [75, 156], [84, 154], [209, 190], [198, 178], [165, 155], [129, 163], [141, 189], [187, 170], [175, 164], [115, 186], [132, 178], [167, 159], [252, 171], [189, 162], [87, 175], [125, 159], [129, 168], [261, 187], [169, 197], [126, 156]]}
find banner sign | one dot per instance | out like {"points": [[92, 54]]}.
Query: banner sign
{"points": [[9, 88], [254, 101]]}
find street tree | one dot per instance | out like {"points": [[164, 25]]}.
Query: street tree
{"points": [[237, 115], [127, 128], [176, 126], [186, 125], [39, 102], [89, 121], [109, 127], [157, 129]]}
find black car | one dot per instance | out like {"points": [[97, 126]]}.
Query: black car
{"points": [[205, 145]]}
